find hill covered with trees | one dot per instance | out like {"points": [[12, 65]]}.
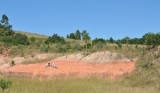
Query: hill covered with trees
{"points": [[146, 75]]}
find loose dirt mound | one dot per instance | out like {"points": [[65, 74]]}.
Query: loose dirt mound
{"points": [[68, 68], [5, 62], [96, 57]]}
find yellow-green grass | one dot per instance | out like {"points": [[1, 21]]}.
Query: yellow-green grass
{"points": [[76, 85], [42, 60], [38, 60], [28, 34]]}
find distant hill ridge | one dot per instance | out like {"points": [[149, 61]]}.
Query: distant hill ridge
{"points": [[29, 34]]}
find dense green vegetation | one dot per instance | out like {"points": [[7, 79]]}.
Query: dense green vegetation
{"points": [[145, 79], [8, 36], [56, 43]]}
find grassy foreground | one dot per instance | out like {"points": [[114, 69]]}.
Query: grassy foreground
{"points": [[86, 85]]}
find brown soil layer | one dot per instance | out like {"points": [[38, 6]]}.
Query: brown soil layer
{"points": [[70, 68]]}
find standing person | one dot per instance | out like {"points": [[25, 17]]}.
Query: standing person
{"points": [[53, 65]]}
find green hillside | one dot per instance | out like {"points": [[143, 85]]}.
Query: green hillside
{"points": [[145, 78], [32, 34]]}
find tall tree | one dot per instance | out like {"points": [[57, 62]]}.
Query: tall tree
{"points": [[72, 36], [85, 37], [67, 36], [150, 40], [127, 39], [82, 34], [5, 26], [111, 40], [78, 35], [55, 38]]}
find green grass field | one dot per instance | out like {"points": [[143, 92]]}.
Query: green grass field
{"points": [[70, 85]]}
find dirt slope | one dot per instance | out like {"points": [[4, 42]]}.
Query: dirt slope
{"points": [[70, 68], [100, 64]]}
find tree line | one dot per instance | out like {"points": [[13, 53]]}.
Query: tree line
{"points": [[9, 36], [150, 39]]}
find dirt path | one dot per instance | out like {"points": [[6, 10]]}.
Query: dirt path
{"points": [[69, 68]]}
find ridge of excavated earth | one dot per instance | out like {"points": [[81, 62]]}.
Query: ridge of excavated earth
{"points": [[100, 64]]}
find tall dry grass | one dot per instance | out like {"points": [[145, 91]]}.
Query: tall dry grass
{"points": [[75, 85]]}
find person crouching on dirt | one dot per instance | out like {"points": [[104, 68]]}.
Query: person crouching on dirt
{"points": [[53, 65], [48, 65]]}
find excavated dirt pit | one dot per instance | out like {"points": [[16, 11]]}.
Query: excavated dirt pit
{"points": [[70, 68]]}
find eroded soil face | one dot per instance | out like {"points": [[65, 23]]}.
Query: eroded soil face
{"points": [[70, 68]]}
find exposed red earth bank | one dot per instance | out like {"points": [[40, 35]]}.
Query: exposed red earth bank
{"points": [[71, 68]]}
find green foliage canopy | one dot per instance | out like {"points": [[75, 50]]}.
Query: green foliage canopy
{"points": [[78, 35], [97, 40], [5, 84], [32, 39], [5, 27], [20, 39], [54, 39]]}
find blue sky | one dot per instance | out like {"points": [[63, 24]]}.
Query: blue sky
{"points": [[100, 18]]}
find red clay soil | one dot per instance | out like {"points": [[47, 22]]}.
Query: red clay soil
{"points": [[1, 56], [68, 68]]}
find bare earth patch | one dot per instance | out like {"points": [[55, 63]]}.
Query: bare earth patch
{"points": [[71, 69], [101, 64]]}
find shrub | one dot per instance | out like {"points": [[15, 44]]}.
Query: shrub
{"points": [[70, 50], [5, 84], [77, 46], [119, 44], [44, 48], [136, 46], [12, 63], [99, 45], [145, 64], [38, 43], [99, 40], [20, 39], [14, 51], [88, 46], [32, 39], [61, 50]]}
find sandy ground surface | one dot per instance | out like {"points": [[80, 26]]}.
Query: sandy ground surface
{"points": [[70, 68]]}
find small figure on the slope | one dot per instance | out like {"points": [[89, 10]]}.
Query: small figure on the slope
{"points": [[53, 65]]}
